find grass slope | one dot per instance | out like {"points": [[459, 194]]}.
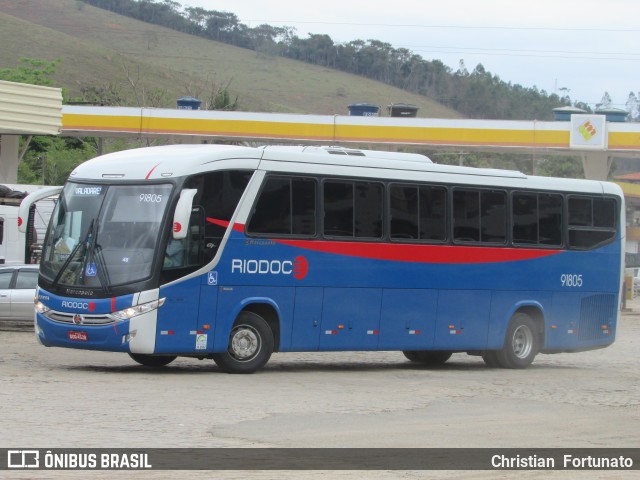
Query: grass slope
{"points": [[99, 47]]}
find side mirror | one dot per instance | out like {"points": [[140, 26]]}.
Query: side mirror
{"points": [[183, 213], [23, 210]]}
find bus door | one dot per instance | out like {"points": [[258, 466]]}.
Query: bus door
{"points": [[177, 326], [182, 318], [350, 319]]}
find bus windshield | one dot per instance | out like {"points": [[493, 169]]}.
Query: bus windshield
{"points": [[104, 235]]}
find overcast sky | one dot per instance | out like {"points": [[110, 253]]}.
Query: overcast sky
{"points": [[586, 46]]}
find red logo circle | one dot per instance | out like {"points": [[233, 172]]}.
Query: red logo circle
{"points": [[300, 267], [177, 227]]}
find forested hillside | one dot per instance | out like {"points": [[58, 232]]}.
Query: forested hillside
{"points": [[476, 93], [110, 59], [99, 56]]}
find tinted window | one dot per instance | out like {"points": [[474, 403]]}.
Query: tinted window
{"points": [[418, 213], [550, 220], [338, 209], [353, 209], [287, 206], [466, 216], [493, 217], [368, 201], [479, 216], [592, 221], [537, 219], [218, 194]]}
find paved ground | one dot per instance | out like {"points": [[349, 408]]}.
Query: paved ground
{"points": [[55, 398]]}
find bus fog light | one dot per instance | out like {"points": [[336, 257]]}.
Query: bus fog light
{"points": [[129, 336]]}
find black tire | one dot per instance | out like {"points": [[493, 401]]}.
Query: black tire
{"points": [[521, 343], [153, 360], [250, 345], [432, 358], [490, 359]]}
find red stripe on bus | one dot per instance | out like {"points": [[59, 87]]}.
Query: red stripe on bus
{"points": [[421, 253], [151, 171], [410, 252], [238, 227]]}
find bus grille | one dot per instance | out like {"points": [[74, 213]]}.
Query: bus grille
{"points": [[596, 311], [86, 319]]}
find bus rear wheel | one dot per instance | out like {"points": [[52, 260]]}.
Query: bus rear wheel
{"points": [[426, 357], [152, 360], [250, 345], [521, 345]]}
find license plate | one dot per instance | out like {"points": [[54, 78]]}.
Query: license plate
{"points": [[78, 336]]}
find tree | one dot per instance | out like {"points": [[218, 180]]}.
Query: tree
{"points": [[565, 167], [606, 101], [50, 160], [462, 69], [633, 107], [477, 94], [214, 95], [32, 71]]}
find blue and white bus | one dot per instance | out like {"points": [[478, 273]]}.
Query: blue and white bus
{"points": [[232, 253]]}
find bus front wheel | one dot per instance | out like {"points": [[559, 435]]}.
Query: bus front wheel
{"points": [[521, 344], [152, 360], [250, 345], [426, 357]]}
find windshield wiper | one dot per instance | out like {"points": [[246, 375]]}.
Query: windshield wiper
{"points": [[101, 267], [73, 253]]}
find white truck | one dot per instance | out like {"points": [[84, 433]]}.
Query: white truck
{"points": [[17, 247]]}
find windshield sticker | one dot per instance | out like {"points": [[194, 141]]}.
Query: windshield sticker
{"points": [[91, 270]]}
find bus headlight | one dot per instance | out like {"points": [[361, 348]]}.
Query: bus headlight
{"points": [[136, 310], [41, 307]]}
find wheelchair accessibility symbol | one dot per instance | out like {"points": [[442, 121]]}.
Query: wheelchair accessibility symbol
{"points": [[91, 270], [212, 278]]}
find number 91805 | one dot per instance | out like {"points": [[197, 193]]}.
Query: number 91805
{"points": [[571, 280], [150, 198]]}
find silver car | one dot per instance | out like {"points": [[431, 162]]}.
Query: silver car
{"points": [[17, 289]]}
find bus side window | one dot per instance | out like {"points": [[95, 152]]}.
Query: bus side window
{"points": [[213, 206], [536, 219], [188, 251], [592, 221], [479, 216], [418, 212], [353, 209], [221, 192], [286, 206]]}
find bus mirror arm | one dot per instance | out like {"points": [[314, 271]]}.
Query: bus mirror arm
{"points": [[183, 213], [25, 205]]}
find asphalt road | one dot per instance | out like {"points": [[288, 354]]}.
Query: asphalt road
{"points": [[63, 398]]}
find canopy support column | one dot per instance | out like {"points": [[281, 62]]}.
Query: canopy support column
{"points": [[9, 158], [596, 165]]}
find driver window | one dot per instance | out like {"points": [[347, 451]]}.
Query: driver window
{"points": [[187, 252], [217, 197]]}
